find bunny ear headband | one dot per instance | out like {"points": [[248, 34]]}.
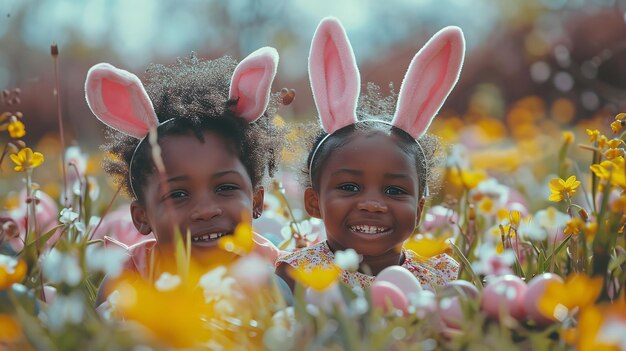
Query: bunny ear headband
{"points": [[336, 82], [119, 100]]}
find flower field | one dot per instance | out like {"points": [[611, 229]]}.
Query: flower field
{"points": [[532, 205]]}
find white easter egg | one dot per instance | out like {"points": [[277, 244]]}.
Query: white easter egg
{"points": [[400, 277]]}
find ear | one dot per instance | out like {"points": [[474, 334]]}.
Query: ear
{"points": [[335, 78], [140, 218], [252, 82], [311, 203], [432, 74], [119, 100], [257, 200]]}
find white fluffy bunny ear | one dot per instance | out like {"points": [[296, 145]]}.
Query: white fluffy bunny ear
{"points": [[432, 74], [119, 100], [252, 82], [335, 78]]}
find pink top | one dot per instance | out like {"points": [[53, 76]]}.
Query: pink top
{"points": [[139, 253], [435, 271]]}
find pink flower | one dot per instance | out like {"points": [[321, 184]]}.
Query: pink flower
{"points": [[46, 213]]}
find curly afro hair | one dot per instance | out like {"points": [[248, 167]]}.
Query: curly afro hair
{"points": [[192, 96], [373, 108]]}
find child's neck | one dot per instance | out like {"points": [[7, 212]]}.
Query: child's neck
{"points": [[375, 264], [372, 265]]}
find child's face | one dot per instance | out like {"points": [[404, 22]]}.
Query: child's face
{"points": [[367, 196], [205, 190]]}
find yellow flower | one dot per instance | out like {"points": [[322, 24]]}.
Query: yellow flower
{"points": [[616, 126], [485, 205], [240, 242], [614, 153], [562, 189], [10, 330], [602, 141], [26, 159], [427, 246], [317, 278], [590, 230], [560, 298], [568, 137], [593, 135], [175, 315], [16, 129], [620, 116], [598, 327], [515, 217], [614, 143], [573, 226], [12, 270], [466, 178], [502, 214], [613, 170]]}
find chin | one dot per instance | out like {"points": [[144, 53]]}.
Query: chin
{"points": [[211, 255]]}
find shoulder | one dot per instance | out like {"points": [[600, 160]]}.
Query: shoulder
{"points": [[315, 255], [265, 248], [436, 270]]}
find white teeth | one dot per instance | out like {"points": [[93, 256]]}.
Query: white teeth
{"points": [[368, 229], [207, 237]]}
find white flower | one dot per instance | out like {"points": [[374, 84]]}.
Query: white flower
{"points": [[216, 285], [67, 216], [531, 230], [612, 332], [167, 282], [65, 310], [109, 260], [60, 267], [347, 260], [8, 263], [491, 263], [252, 270]]}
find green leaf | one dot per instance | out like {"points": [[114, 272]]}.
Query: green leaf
{"points": [[468, 266]]}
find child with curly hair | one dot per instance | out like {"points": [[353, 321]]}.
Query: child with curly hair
{"points": [[193, 147], [368, 171]]}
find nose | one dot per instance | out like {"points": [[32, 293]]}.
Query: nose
{"points": [[205, 210], [372, 205]]}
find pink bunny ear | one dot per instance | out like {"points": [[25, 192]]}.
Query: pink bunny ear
{"points": [[252, 82], [432, 74], [119, 100], [335, 78]]}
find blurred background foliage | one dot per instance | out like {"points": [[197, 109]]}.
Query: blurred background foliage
{"points": [[559, 61]]}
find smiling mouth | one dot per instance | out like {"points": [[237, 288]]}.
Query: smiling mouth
{"points": [[206, 238], [368, 229]]}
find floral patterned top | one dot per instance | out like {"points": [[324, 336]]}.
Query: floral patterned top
{"points": [[435, 271]]}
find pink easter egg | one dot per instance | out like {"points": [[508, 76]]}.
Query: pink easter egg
{"points": [[505, 293], [461, 288], [400, 277], [535, 290], [384, 293], [450, 312]]}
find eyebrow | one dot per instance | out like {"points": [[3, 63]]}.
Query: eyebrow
{"points": [[359, 173], [397, 176], [214, 176], [348, 171]]}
